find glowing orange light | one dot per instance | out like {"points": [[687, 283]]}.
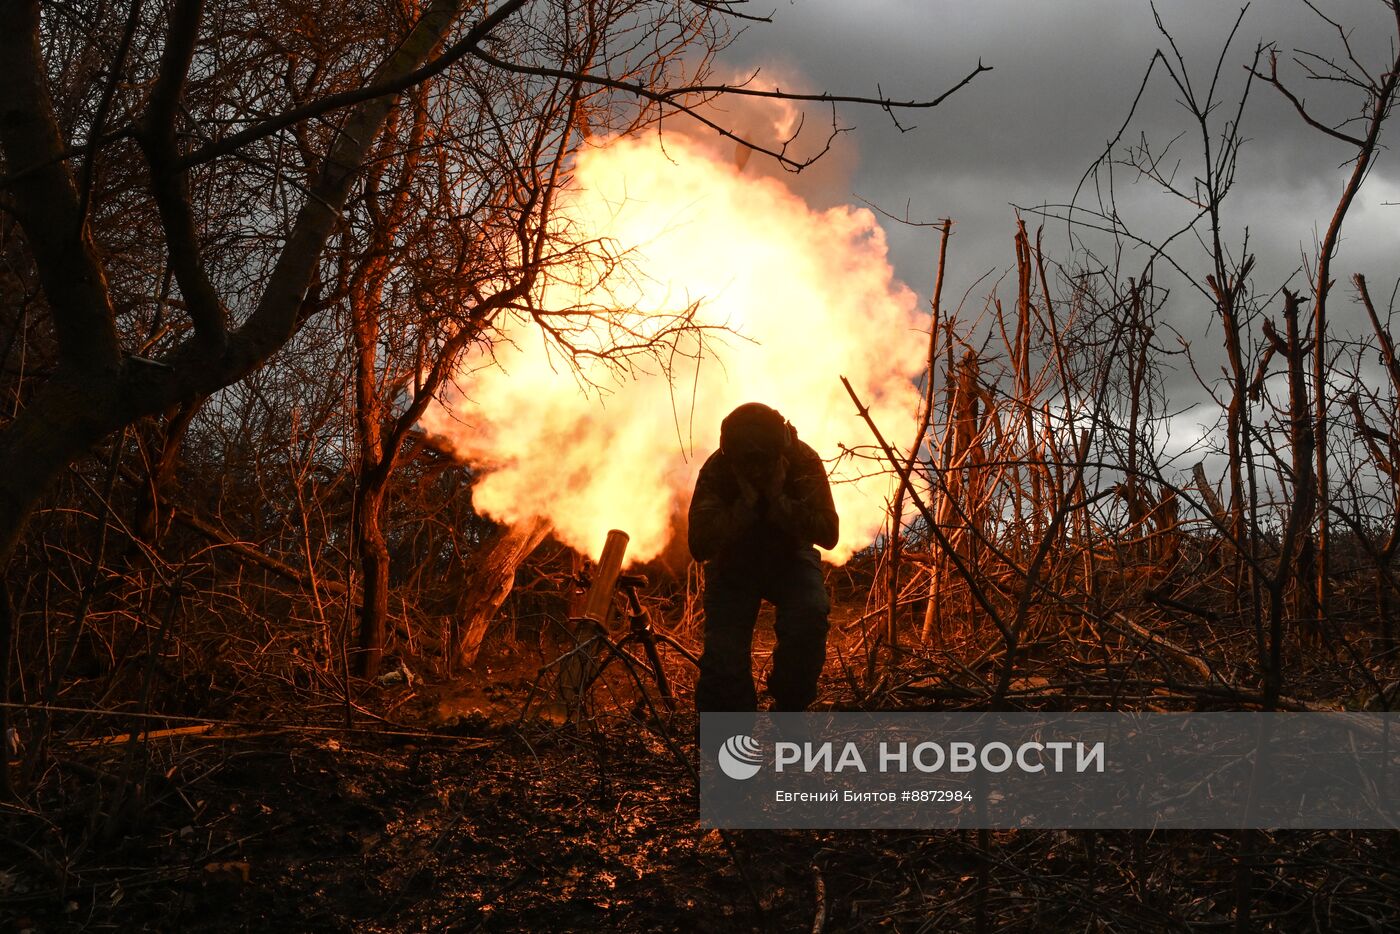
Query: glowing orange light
{"points": [[809, 294]]}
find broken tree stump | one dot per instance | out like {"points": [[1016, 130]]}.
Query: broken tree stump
{"points": [[501, 555]]}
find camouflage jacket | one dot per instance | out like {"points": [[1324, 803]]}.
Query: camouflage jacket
{"points": [[723, 526]]}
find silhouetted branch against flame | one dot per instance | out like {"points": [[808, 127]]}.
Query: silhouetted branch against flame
{"points": [[681, 99], [677, 100]]}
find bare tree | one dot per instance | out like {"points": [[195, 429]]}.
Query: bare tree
{"points": [[189, 187], [1361, 132]]}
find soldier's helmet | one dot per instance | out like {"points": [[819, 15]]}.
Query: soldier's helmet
{"points": [[754, 431]]}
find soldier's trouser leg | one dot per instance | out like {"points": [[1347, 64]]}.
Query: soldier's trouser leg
{"points": [[726, 665], [799, 595]]}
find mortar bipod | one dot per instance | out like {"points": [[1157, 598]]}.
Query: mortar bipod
{"points": [[639, 629]]}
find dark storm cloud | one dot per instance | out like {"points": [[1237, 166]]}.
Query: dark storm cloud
{"points": [[1065, 72], [1065, 77]]}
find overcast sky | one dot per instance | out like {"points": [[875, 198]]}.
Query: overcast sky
{"points": [[1065, 75]]}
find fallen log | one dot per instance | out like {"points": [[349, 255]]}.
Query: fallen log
{"points": [[144, 735], [1186, 657]]}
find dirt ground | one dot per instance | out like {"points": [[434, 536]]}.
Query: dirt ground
{"points": [[457, 818]]}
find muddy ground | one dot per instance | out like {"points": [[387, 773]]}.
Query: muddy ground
{"points": [[455, 805], [455, 818]]}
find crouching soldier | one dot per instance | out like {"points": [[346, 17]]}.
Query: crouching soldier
{"points": [[761, 502]]}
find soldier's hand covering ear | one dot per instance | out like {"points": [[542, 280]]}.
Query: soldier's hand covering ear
{"points": [[803, 505], [776, 479], [748, 493]]}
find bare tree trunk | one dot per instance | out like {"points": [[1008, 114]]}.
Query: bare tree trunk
{"points": [[960, 507], [1381, 92], [148, 524], [96, 389], [925, 419], [1388, 462], [376, 465], [374, 566], [1295, 550], [378, 453], [941, 451]]}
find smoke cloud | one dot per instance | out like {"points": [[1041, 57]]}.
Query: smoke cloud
{"points": [[787, 297]]}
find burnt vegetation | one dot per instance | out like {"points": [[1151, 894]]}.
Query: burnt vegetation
{"points": [[264, 666]]}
